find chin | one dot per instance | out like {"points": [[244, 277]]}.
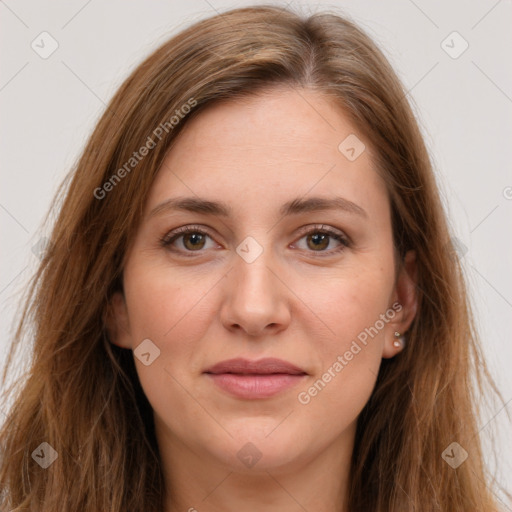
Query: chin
{"points": [[256, 447]]}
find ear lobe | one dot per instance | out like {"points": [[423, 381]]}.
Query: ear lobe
{"points": [[116, 322], [406, 295]]}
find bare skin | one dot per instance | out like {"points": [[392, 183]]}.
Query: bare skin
{"points": [[304, 299]]}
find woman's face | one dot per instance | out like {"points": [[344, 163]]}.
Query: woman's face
{"points": [[266, 271]]}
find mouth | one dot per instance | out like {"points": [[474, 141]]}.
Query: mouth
{"points": [[248, 379]]}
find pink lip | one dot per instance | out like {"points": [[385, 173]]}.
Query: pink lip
{"points": [[255, 379]]}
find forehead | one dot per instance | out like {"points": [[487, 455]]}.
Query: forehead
{"points": [[269, 148]]}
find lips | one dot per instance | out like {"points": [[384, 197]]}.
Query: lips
{"points": [[265, 366], [246, 379]]}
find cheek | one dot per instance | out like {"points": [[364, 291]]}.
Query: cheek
{"points": [[172, 310], [352, 304], [348, 301], [164, 303]]}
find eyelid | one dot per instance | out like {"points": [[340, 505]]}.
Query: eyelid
{"points": [[305, 230], [189, 228]]}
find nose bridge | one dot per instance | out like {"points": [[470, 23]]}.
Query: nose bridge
{"points": [[255, 298], [253, 282]]}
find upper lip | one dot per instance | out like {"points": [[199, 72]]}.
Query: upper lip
{"points": [[264, 366]]}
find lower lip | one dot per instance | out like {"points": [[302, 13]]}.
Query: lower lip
{"points": [[255, 386]]}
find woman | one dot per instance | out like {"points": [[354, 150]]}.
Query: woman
{"points": [[251, 301]]}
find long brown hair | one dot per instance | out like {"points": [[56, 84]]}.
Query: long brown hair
{"points": [[81, 394]]}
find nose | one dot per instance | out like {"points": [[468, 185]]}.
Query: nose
{"points": [[255, 300]]}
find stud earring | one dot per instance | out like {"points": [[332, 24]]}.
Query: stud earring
{"points": [[398, 343]]}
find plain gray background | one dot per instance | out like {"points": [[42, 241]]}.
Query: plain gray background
{"points": [[463, 101]]}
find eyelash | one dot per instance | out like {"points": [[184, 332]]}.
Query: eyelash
{"points": [[171, 237]]}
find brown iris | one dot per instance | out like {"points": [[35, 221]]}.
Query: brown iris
{"points": [[320, 240], [196, 240]]}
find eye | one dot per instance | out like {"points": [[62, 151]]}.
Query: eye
{"points": [[193, 239], [320, 237]]}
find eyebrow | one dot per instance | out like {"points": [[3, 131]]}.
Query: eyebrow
{"points": [[294, 207]]}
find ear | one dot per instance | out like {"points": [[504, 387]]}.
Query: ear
{"points": [[117, 324], [405, 294]]}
